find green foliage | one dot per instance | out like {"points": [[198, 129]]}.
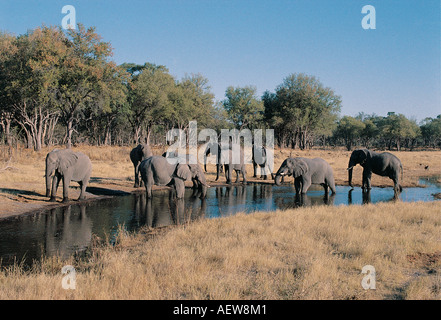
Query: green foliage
{"points": [[244, 108], [350, 130], [302, 108], [53, 81], [431, 131]]}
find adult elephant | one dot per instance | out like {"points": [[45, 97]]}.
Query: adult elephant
{"points": [[383, 164], [141, 152], [213, 148], [260, 156], [70, 166], [233, 162], [157, 170], [306, 172]]}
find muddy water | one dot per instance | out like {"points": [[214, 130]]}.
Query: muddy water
{"points": [[70, 229]]}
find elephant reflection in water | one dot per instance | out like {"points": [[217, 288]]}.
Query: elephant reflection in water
{"points": [[303, 200], [263, 193], [366, 197], [161, 211], [231, 197], [68, 232]]}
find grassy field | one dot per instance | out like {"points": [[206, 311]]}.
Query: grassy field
{"points": [[306, 253]]}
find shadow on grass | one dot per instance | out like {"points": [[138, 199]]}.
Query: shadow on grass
{"points": [[106, 192], [17, 192]]}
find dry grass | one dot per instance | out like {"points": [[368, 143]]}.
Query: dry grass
{"points": [[307, 253]]}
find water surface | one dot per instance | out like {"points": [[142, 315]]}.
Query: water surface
{"points": [[69, 229]]}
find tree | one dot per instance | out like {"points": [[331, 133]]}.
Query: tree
{"points": [[8, 49], [303, 108], [396, 127], [28, 76], [431, 131], [349, 129], [243, 107], [85, 76], [149, 98]]}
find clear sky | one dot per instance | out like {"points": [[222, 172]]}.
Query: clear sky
{"points": [[395, 67]]}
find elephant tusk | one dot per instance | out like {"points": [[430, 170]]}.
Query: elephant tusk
{"points": [[349, 168]]}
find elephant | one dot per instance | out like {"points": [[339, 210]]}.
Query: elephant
{"points": [[158, 170], [229, 162], [306, 172], [141, 152], [383, 164], [213, 148], [70, 166], [260, 157]]}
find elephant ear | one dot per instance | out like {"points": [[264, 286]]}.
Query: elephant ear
{"points": [[300, 168], [67, 160], [363, 155], [183, 172]]}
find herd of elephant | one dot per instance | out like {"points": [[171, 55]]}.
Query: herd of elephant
{"points": [[68, 166]]}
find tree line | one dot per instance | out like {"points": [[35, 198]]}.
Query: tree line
{"points": [[61, 87]]}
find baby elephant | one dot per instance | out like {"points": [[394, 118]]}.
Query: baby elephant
{"points": [[306, 172]]}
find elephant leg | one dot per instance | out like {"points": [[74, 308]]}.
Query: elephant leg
{"points": [[179, 187], [237, 176], [83, 190], [148, 183], [397, 186], [244, 176], [264, 173], [228, 173], [367, 174], [55, 183], [218, 167], [306, 183], [325, 187], [66, 182], [331, 183], [297, 185], [136, 167]]}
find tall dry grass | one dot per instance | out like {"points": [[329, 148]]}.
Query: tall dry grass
{"points": [[307, 253]]}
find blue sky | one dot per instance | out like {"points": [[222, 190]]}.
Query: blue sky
{"points": [[395, 67]]}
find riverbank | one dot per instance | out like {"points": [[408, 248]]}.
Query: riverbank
{"points": [[22, 188], [306, 253]]}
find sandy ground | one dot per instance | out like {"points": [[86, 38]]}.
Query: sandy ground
{"points": [[22, 188]]}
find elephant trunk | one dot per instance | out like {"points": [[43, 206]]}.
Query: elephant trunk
{"points": [[278, 179], [350, 176], [351, 166]]}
